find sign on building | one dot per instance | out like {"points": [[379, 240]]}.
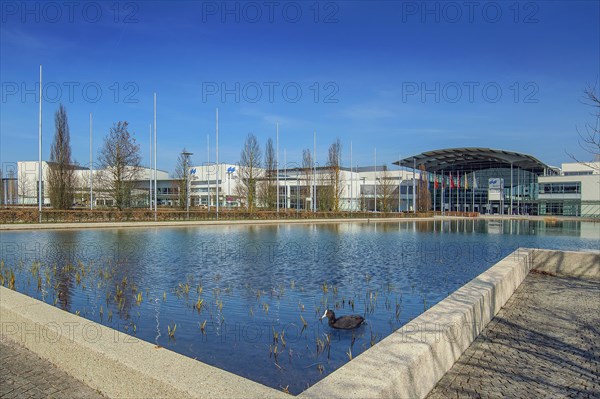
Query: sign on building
{"points": [[495, 189]]}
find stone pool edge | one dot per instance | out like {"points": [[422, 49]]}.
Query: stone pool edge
{"points": [[409, 362], [116, 364]]}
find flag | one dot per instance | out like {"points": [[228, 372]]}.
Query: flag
{"points": [[435, 183], [451, 181], [458, 179], [466, 183], [474, 181]]}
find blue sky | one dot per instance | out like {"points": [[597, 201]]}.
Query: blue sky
{"points": [[404, 77]]}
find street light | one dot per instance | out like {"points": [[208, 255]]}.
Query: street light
{"points": [[186, 165]]}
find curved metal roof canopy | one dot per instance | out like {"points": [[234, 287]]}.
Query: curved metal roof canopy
{"points": [[469, 159]]}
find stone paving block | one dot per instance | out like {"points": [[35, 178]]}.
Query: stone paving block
{"points": [[25, 375], [543, 343]]}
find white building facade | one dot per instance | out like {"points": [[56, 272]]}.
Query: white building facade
{"points": [[28, 185], [574, 192], [301, 189]]}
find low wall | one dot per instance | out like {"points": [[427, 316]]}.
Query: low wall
{"points": [[116, 364], [406, 364], [409, 362], [568, 263]]}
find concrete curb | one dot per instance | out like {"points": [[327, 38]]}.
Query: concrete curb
{"points": [[409, 362], [568, 263], [116, 364]]}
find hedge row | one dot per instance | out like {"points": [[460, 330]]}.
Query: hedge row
{"points": [[30, 215]]}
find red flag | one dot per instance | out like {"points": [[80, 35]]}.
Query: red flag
{"points": [[451, 181], [435, 183], [458, 179]]}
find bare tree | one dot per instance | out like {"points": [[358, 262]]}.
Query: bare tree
{"points": [[249, 171], [589, 139], [120, 159], [267, 188], [2, 188], [423, 194], [334, 161], [61, 170], [385, 190], [24, 183], [325, 196], [183, 178]]}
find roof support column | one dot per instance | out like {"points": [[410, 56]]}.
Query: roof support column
{"points": [[414, 194], [510, 211]]}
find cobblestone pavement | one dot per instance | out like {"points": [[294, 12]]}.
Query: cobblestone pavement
{"points": [[543, 344], [23, 374]]}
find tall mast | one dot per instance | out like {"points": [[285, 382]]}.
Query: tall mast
{"points": [[40, 192], [155, 170], [91, 168], [277, 162], [217, 174]]}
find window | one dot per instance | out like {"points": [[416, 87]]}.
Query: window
{"points": [[560, 188], [578, 173]]}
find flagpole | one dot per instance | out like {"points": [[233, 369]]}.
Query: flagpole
{"points": [[208, 171], [277, 162], [450, 194], [150, 170], [474, 187], [414, 198], [217, 174], [91, 168], [40, 192], [434, 193], [442, 205], [518, 191], [155, 170], [457, 191], [315, 171], [285, 183], [375, 179], [399, 184], [351, 181]]}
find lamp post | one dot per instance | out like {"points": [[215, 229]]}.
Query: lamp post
{"points": [[186, 166]]}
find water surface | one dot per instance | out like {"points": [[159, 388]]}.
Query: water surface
{"points": [[248, 299]]}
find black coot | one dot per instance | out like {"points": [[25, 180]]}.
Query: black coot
{"points": [[344, 322]]}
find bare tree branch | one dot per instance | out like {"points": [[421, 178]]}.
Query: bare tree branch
{"points": [[589, 137], [120, 159], [249, 171]]}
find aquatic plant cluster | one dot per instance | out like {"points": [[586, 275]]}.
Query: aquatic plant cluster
{"points": [[259, 317], [109, 295]]}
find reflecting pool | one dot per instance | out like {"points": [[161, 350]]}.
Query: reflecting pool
{"points": [[248, 299]]}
